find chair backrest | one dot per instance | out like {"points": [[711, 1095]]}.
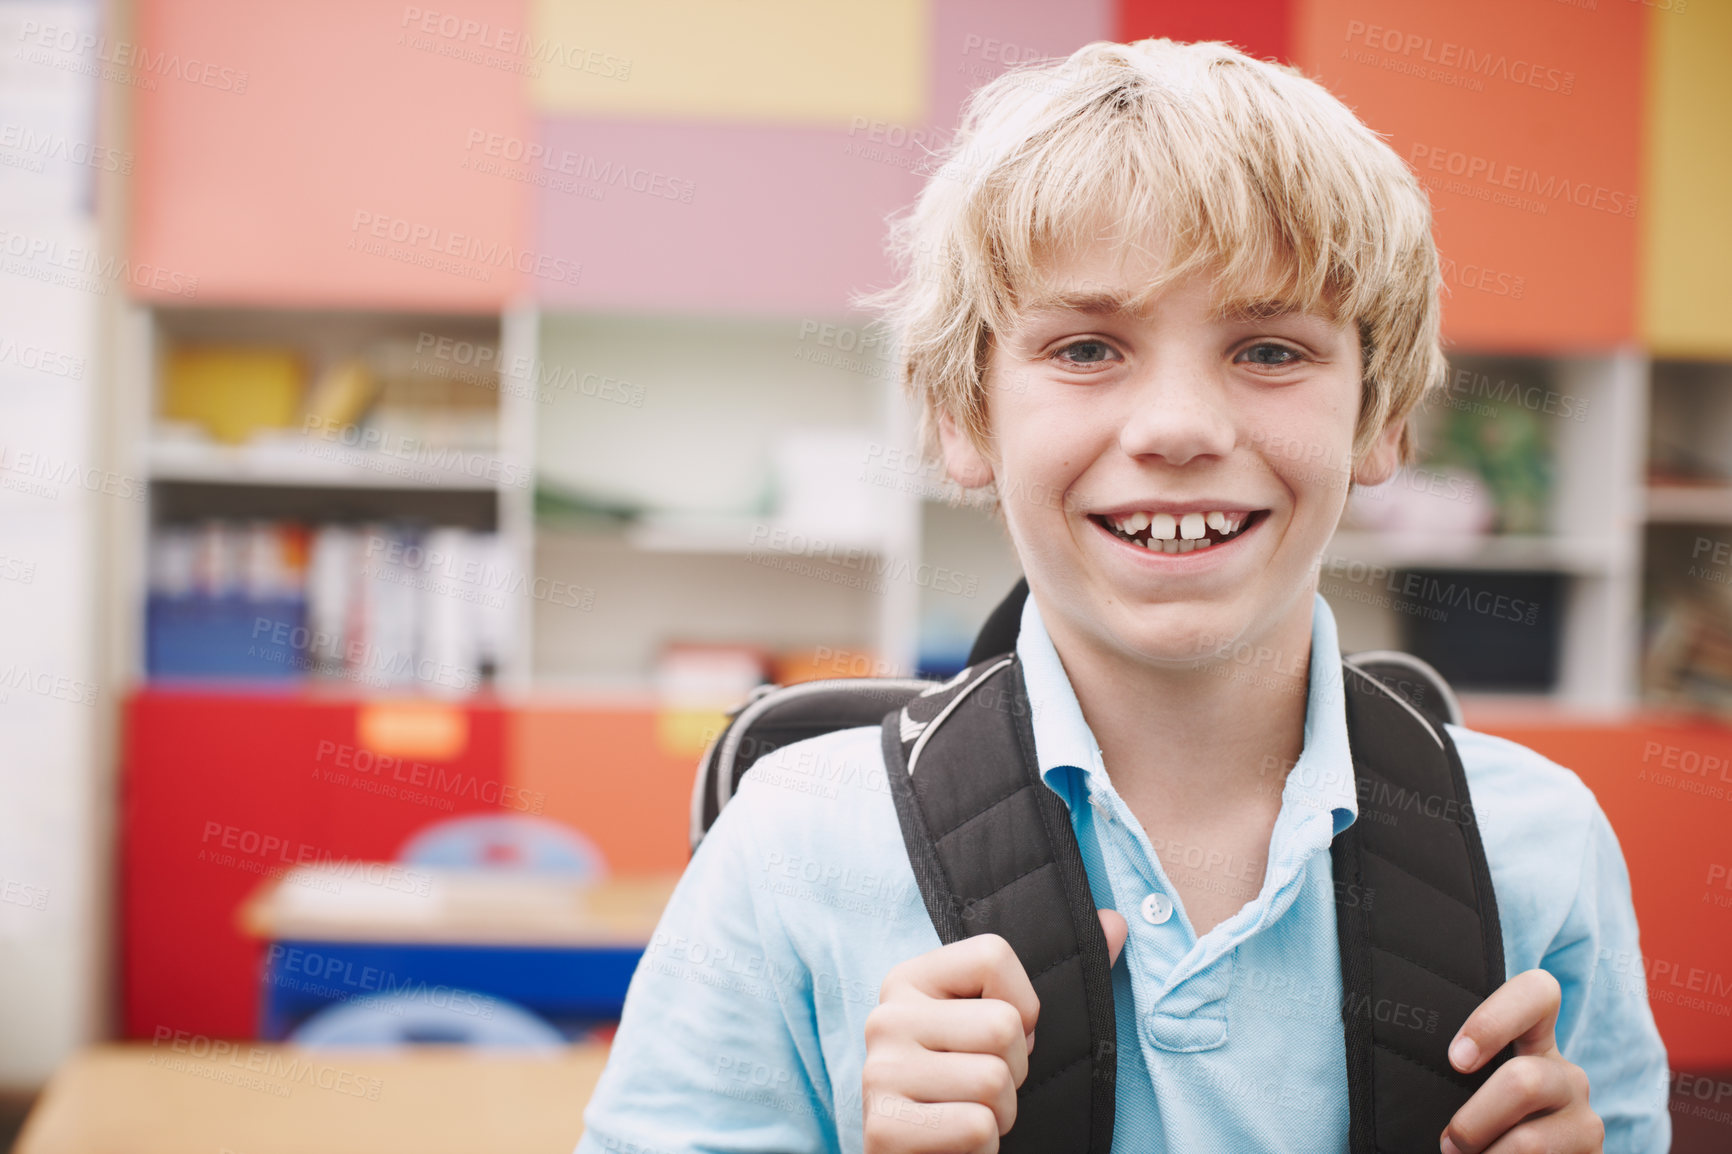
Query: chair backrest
{"points": [[505, 841], [448, 1017]]}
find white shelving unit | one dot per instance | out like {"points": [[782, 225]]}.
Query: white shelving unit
{"points": [[1687, 539], [685, 421], [291, 476], [681, 419], [290, 465], [1596, 418]]}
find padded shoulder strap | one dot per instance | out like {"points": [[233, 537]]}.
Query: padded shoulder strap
{"points": [[781, 715], [993, 852], [1421, 944]]}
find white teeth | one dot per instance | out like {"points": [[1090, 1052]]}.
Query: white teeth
{"points": [[1170, 533]]}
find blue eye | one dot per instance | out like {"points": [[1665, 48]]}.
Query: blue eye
{"points": [[1087, 353], [1271, 355]]}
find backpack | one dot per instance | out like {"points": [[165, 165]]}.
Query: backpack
{"points": [[993, 851]]}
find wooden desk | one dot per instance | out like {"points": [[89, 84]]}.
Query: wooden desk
{"points": [[262, 1099], [394, 902], [563, 949]]}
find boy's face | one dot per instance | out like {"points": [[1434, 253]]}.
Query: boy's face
{"points": [[1112, 426]]}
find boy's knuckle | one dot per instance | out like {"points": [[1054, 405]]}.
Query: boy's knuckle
{"points": [[1000, 1085], [1527, 1078], [1527, 1140], [1004, 1027], [879, 1070], [882, 1024], [975, 1125], [995, 949], [985, 1080]]}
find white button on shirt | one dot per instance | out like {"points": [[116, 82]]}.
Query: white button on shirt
{"points": [[1157, 908]]}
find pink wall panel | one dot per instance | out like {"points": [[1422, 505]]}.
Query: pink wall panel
{"points": [[333, 108], [779, 219], [758, 218], [975, 40]]}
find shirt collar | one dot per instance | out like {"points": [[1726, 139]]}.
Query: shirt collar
{"points": [[1320, 782]]}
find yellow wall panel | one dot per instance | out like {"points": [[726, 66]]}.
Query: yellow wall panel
{"points": [[1687, 212], [795, 61]]}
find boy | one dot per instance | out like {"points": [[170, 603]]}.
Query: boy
{"points": [[1170, 302]]}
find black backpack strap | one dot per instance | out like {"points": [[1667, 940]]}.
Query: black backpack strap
{"points": [[993, 852], [1003, 624], [775, 716], [1414, 681], [1421, 945]]}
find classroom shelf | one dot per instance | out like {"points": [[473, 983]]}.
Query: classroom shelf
{"points": [[674, 533], [1699, 504], [311, 462], [1488, 553], [452, 456]]}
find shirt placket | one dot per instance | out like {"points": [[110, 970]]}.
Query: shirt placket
{"points": [[1181, 1006]]}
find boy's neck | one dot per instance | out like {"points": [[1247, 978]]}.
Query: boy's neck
{"points": [[1202, 742]]}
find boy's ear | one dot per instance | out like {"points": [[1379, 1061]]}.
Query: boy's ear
{"points": [[963, 462], [1383, 457]]}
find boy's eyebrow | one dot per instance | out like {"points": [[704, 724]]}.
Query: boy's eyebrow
{"points": [[1259, 308], [1107, 302], [1098, 302]]}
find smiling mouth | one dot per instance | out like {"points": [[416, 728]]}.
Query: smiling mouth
{"points": [[1187, 533]]}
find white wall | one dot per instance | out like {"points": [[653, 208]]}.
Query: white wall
{"points": [[52, 709]]}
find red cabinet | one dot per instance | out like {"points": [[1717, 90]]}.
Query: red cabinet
{"points": [[1666, 787], [222, 791]]}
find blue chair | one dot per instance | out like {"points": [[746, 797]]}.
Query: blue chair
{"points": [[505, 841], [431, 1016]]}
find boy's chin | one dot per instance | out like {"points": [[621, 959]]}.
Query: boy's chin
{"points": [[1182, 635]]}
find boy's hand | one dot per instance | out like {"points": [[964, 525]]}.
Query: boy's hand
{"points": [[947, 1046], [1536, 1100]]}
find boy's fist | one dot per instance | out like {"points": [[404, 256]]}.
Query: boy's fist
{"points": [[948, 1044]]}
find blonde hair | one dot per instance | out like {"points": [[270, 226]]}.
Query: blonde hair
{"points": [[1245, 168]]}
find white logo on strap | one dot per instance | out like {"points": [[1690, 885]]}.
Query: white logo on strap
{"points": [[951, 684]]}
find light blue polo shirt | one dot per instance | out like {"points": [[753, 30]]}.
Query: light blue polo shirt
{"points": [[744, 1026]]}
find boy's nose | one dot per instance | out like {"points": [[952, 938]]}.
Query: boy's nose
{"points": [[1177, 415]]}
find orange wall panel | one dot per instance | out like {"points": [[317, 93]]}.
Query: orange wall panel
{"points": [[1524, 122], [323, 162], [606, 773], [1666, 787]]}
